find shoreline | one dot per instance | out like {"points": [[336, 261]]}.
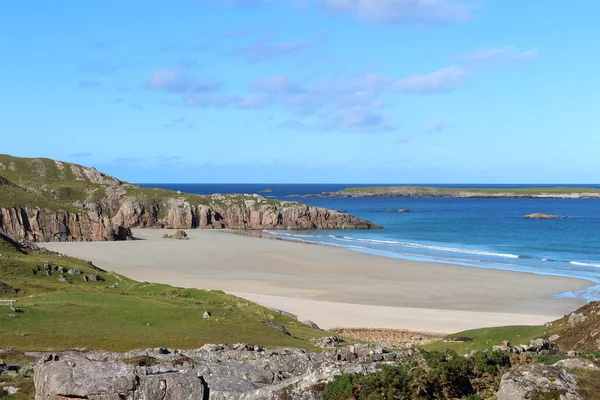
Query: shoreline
{"points": [[334, 287], [264, 234]]}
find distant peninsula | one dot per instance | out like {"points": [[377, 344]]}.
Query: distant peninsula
{"points": [[440, 192]]}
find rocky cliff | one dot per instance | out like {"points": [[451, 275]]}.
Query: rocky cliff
{"points": [[47, 200]]}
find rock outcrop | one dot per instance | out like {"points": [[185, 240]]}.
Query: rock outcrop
{"points": [[539, 382], [218, 372], [541, 216]]}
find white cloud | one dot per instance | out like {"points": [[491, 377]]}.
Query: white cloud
{"points": [[443, 80]]}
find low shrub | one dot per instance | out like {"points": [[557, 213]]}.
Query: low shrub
{"points": [[446, 375]]}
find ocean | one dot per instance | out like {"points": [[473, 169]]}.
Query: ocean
{"points": [[486, 233]]}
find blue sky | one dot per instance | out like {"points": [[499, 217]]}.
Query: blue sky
{"points": [[370, 91]]}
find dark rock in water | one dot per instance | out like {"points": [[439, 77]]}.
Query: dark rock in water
{"points": [[542, 216], [277, 326], [402, 210]]}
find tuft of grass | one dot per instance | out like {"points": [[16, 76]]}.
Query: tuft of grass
{"points": [[589, 384]]}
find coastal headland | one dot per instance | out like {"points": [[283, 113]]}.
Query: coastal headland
{"points": [[336, 287]]}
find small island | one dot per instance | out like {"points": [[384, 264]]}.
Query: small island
{"points": [[542, 216], [267, 191]]}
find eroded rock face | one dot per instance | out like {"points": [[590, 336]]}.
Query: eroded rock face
{"points": [[112, 218], [538, 381], [39, 225], [219, 372]]}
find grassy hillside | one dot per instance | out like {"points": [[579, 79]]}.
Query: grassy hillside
{"points": [[61, 186], [48, 183], [122, 314]]}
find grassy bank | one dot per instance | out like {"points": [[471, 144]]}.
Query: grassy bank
{"points": [[122, 314]]}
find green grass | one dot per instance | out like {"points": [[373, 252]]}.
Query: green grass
{"points": [[483, 191], [486, 338], [132, 315]]}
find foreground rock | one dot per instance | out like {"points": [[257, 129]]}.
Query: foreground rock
{"points": [[539, 382], [542, 216], [179, 235], [212, 372]]}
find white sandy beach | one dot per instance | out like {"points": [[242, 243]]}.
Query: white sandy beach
{"points": [[336, 287]]}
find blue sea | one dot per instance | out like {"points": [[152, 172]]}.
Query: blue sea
{"points": [[486, 233]]}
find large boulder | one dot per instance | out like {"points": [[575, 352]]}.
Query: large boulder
{"points": [[77, 377], [538, 381]]}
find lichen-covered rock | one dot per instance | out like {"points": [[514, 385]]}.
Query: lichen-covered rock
{"points": [[538, 381], [76, 377], [577, 363]]}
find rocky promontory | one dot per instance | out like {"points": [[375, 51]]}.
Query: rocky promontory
{"points": [[47, 200]]}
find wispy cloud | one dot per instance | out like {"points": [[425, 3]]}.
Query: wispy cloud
{"points": [[409, 12], [88, 84], [396, 12], [501, 57], [443, 80], [266, 51], [436, 126], [80, 155], [175, 122], [101, 67], [178, 80]]}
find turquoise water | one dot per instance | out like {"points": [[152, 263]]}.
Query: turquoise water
{"points": [[487, 233]]}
